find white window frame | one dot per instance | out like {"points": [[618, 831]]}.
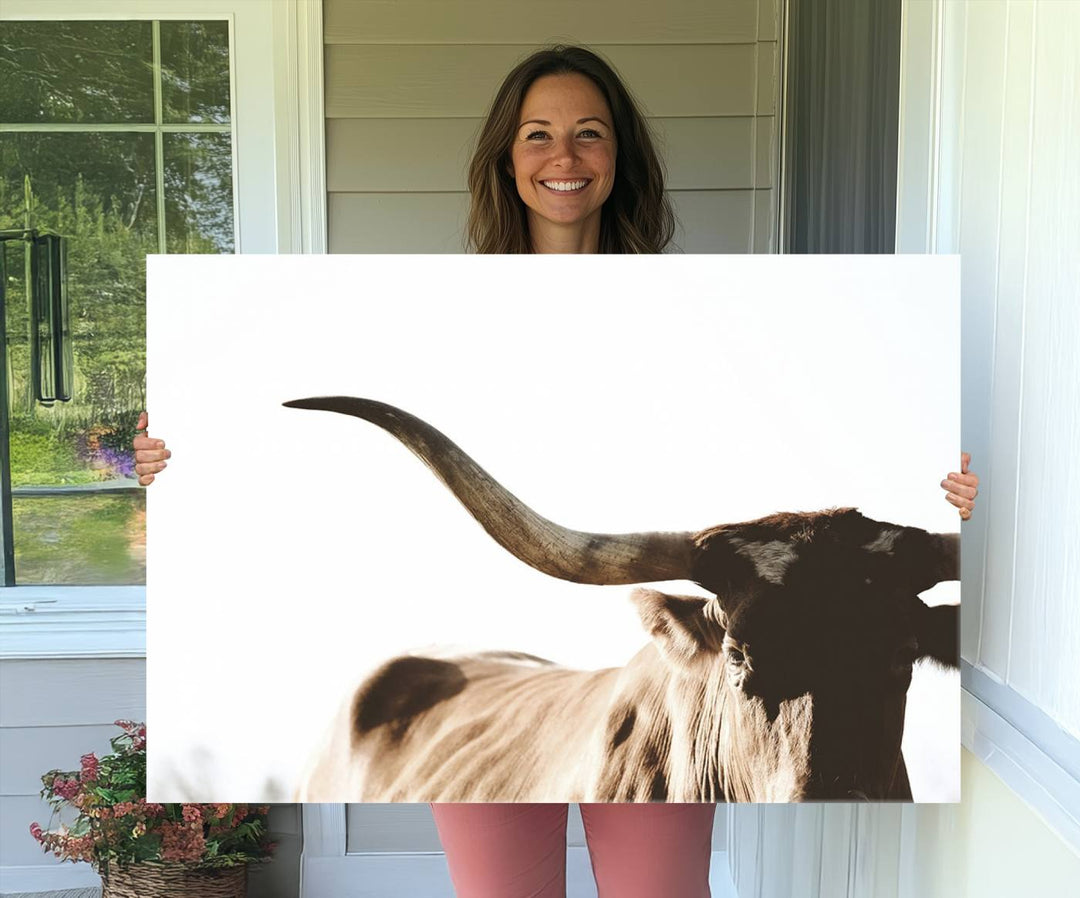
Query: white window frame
{"points": [[279, 195], [1009, 734]]}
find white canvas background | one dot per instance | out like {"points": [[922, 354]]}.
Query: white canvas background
{"points": [[291, 551]]}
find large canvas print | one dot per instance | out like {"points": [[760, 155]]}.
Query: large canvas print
{"points": [[523, 528]]}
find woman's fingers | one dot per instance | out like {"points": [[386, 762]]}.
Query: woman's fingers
{"points": [[964, 478], [960, 501], [146, 456], [145, 442], [961, 487], [964, 488], [150, 453]]}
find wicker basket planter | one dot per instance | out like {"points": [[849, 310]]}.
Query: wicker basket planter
{"points": [[155, 880]]}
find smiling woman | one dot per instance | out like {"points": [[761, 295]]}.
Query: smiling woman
{"points": [[565, 164], [563, 161]]}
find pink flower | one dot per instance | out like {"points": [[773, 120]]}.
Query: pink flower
{"points": [[192, 814], [36, 832], [89, 768], [181, 842], [65, 788]]}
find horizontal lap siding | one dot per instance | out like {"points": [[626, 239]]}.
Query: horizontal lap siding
{"points": [[378, 155], [51, 713], [460, 80], [27, 752], [531, 23], [408, 83], [51, 693], [708, 221]]}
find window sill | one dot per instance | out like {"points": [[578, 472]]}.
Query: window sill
{"points": [[73, 622]]}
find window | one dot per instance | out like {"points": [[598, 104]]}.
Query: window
{"points": [[118, 136]]}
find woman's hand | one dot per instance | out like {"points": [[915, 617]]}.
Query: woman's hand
{"points": [[961, 488], [150, 454]]}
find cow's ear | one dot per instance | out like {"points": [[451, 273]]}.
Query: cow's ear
{"points": [[684, 628], [938, 632]]}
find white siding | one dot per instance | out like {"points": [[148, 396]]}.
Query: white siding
{"points": [[54, 711], [1009, 203], [51, 713]]}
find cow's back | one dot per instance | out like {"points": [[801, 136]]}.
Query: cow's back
{"points": [[462, 729]]}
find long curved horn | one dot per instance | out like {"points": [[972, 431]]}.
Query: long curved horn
{"points": [[598, 558]]}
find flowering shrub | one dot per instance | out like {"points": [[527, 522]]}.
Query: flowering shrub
{"points": [[99, 448], [116, 824]]}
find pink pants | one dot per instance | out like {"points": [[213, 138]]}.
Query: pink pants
{"points": [[519, 850]]}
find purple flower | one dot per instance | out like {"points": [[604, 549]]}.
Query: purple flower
{"points": [[121, 462]]}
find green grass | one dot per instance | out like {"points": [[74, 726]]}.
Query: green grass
{"points": [[84, 540]]}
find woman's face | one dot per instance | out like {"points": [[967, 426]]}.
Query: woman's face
{"points": [[563, 154]]}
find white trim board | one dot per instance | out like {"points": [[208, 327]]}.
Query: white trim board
{"points": [[301, 126], [73, 622], [1045, 785]]}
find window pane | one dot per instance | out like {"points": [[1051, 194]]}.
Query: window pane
{"points": [[76, 72], [98, 190], [195, 71], [198, 193], [81, 540]]}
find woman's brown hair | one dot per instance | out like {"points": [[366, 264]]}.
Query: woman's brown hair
{"points": [[637, 216]]}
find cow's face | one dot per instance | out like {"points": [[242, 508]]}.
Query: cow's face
{"points": [[810, 643]]}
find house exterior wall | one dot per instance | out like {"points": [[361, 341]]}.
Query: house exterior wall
{"points": [[52, 712]]}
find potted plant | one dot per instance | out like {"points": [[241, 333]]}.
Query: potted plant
{"points": [[143, 849]]}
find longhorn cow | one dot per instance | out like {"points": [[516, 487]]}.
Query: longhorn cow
{"points": [[788, 684]]}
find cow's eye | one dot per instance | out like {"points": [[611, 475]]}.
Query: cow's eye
{"points": [[735, 654], [740, 671]]}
